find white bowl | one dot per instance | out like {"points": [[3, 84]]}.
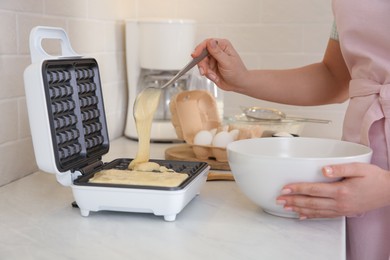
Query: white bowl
{"points": [[262, 166]]}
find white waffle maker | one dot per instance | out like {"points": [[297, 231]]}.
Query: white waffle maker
{"points": [[69, 133]]}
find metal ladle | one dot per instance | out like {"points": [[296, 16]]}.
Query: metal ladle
{"points": [[186, 68], [271, 114]]}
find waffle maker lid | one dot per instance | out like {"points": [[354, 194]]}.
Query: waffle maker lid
{"points": [[65, 106], [75, 111]]}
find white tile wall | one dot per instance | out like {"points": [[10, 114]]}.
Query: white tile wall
{"points": [[267, 33], [95, 29]]}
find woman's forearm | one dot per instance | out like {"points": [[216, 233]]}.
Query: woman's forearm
{"points": [[306, 86], [320, 83]]}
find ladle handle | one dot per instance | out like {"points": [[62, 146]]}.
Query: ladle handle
{"points": [[189, 66]]}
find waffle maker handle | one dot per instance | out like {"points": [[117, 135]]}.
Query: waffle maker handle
{"points": [[39, 33]]}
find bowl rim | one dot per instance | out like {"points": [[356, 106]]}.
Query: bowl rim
{"points": [[367, 150]]}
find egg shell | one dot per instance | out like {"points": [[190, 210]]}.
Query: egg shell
{"points": [[203, 137], [222, 139]]}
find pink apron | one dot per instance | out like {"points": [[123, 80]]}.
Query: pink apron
{"points": [[364, 35]]}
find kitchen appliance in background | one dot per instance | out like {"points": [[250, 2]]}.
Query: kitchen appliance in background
{"points": [[155, 51]]}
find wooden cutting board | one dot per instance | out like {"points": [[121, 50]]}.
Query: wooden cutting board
{"points": [[220, 176], [184, 152]]}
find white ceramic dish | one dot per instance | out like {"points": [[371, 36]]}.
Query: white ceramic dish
{"points": [[262, 166]]}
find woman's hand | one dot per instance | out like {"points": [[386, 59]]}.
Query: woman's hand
{"points": [[223, 66], [364, 187]]}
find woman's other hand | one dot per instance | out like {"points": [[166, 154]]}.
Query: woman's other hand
{"points": [[364, 187]]}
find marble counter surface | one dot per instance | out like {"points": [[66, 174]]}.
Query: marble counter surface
{"points": [[38, 222]]}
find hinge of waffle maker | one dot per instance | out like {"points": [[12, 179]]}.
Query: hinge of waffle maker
{"points": [[67, 178], [91, 167]]}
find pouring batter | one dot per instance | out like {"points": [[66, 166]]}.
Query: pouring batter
{"points": [[145, 107]]}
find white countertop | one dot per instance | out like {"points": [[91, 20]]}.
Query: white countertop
{"points": [[38, 222]]}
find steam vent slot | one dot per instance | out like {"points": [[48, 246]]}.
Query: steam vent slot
{"points": [[76, 111]]}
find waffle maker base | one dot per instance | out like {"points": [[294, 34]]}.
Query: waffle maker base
{"points": [[161, 201]]}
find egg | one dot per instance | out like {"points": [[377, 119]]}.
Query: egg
{"points": [[222, 139], [203, 137], [234, 133]]}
